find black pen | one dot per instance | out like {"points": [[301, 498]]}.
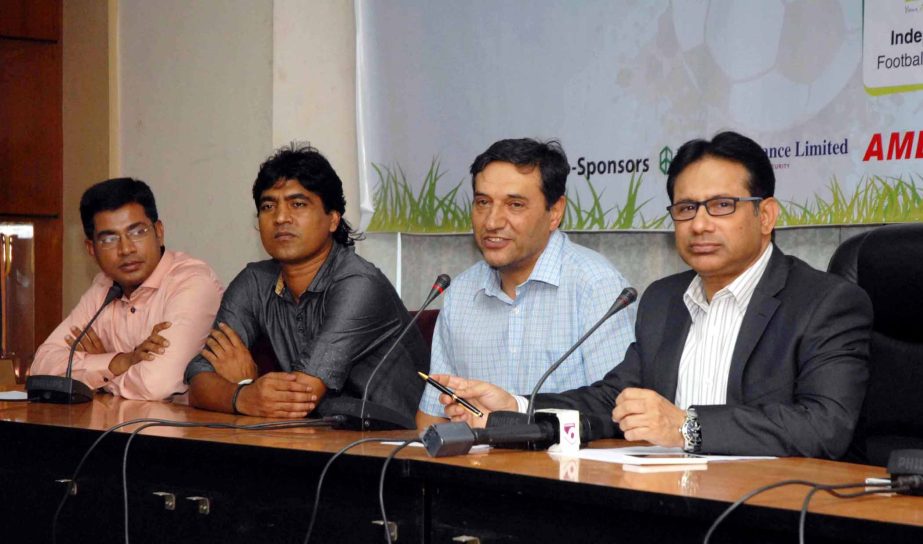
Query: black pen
{"points": [[465, 404]]}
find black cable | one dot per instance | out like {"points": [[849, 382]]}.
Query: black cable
{"points": [[285, 424], [833, 490], [804, 512], [763, 489], [381, 484], [131, 437], [869, 491], [323, 474]]}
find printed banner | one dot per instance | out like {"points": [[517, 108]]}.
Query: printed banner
{"points": [[892, 59], [622, 84]]}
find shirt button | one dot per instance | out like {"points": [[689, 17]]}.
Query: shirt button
{"points": [[516, 311], [132, 309]]}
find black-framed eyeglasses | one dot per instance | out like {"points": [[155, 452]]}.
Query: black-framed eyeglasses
{"points": [[716, 207]]}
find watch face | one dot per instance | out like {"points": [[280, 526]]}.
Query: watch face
{"points": [[692, 437]]}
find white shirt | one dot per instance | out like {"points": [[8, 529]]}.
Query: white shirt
{"points": [[706, 360]]}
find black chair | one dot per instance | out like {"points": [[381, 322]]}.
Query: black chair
{"points": [[427, 325], [887, 263]]}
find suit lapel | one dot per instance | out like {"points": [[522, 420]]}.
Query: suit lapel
{"points": [[676, 328], [762, 306]]}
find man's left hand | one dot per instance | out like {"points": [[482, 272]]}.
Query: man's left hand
{"points": [[643, 414], [227, 353]]}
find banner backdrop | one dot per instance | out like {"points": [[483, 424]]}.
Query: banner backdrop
{"points": [[622, 84]]}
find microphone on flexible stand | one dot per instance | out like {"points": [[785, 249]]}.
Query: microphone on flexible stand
{"points": [[625, 298], [66, 390], [454, 438], [457, 438], [594, 427], [363, 415]]}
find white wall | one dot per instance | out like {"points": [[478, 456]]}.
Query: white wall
{"points": [[195, 88], [314, 84]]}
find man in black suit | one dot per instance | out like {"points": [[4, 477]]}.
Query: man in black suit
{"points": [[752, 352]]}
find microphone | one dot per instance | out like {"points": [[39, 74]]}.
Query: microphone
{"points": [[66, 390], [625, 298], [597, 427], [369, 416], [447, 439], [906, 470]]}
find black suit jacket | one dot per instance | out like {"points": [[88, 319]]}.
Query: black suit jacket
{"points": [[798, 371]]}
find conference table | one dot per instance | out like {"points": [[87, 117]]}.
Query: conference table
{"points": [[193, 484]]}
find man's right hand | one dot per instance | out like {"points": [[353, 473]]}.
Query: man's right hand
{"points": [[147, 350], [89, 343], [278, 394], [486, 396]]}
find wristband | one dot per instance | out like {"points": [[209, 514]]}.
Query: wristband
{"points": [[240, 385]]}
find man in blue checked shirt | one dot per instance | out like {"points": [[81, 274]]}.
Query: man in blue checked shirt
{"points": [[508, 317]]}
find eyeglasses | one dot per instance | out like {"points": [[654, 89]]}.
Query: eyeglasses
{"points": [[716, 207], [136, 234]]}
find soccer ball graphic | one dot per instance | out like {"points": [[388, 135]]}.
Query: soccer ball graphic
{"points": [[769, 65]]}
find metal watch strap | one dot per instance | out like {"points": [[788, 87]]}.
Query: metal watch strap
{"points": [[692, 432]]}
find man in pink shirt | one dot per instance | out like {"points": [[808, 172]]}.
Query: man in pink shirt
{"points": [[139, 346]]}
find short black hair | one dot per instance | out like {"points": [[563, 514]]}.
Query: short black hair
{"points": [[111, 195], [729, 146], [548, 156], [303, 163]]}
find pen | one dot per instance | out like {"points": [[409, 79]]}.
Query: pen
{"points": [[465, 404]]}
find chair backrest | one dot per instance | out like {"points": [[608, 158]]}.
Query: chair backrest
{"points": [[887, 263], [427, 325]]}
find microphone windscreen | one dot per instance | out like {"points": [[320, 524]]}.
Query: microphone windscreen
{"points": [[442, 282], [114, 292], [629, 294]]}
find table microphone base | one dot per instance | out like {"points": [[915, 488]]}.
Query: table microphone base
{"points": [[58, 390], [377, 417]]}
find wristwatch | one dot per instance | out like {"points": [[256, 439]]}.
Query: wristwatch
{"points": [[692, 432], [240, 385]]}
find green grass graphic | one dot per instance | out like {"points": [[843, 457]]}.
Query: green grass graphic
{"points": [[591, 216], [398, 208], [876, 199]]}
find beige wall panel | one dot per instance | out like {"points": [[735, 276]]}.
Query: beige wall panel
{"points": [[195, 117], [86, 130]]}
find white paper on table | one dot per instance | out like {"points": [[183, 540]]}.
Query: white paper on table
{"points": [[657, 469], [13, 395], [626, 456]]}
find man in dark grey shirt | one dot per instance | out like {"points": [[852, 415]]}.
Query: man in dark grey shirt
{"points": [[329, 315]]}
